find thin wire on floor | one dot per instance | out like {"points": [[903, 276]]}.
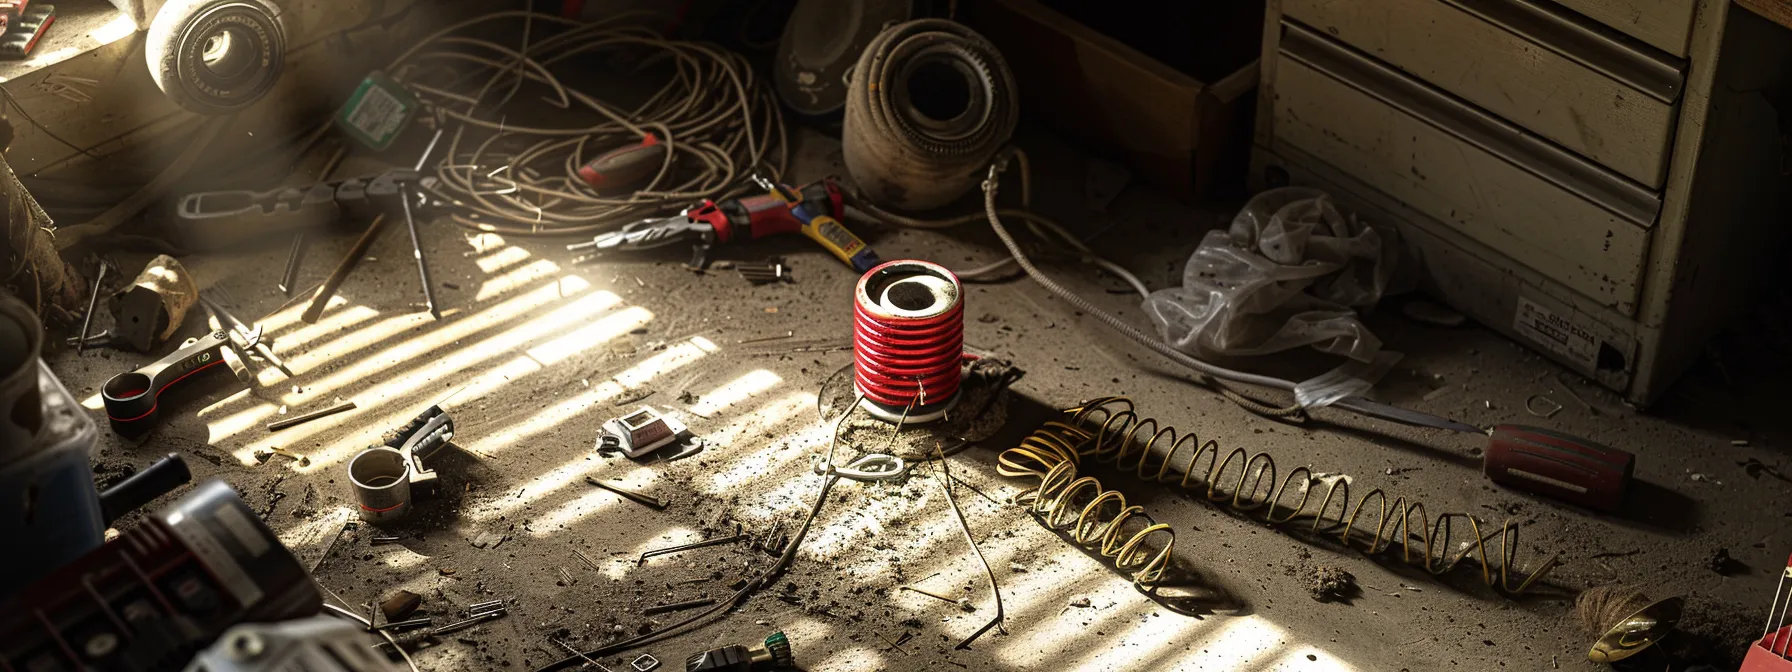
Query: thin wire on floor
{"points": [[1041, 226], [829, 477], [866, 467], [716, 118], [943, 475], [345, 613]]}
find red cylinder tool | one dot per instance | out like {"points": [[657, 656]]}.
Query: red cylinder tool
{"points": [[1566, 467], [908, 340]]}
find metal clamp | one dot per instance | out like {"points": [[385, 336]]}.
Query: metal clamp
{"points": [[382, 476]]}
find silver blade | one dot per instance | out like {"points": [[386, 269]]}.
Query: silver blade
{"points": [[1405, 416]]}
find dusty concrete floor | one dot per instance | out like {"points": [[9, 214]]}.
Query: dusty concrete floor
{"points": [[543, 351]]}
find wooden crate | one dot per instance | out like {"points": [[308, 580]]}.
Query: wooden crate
{"points": [[1186, 136]]}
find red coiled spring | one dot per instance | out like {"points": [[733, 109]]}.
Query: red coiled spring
{"points": [[908, 337]]}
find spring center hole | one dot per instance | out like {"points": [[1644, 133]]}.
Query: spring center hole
{"points": [[909, 295]]}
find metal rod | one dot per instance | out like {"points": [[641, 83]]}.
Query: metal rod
{"points": [[1778, 624], [290, 277], [407, 625], [763, 339], [893, 645], [468, 623], [404, 194], [92, 303], [308, 417], [687, 547], [931, 594], [428, 150], [1775, 604], [1776, 612], [581, 654], [346, 526], [585, 559], [644, 499], [429, 294], [677, 606], [485, 606], [327, 290]]}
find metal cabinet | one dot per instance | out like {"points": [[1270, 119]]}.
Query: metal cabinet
{"points": [[1605, 186]]}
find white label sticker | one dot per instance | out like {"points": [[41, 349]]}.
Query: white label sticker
{"points": [[378, 114], [1556, 333], [216, 558], [242, 528]]}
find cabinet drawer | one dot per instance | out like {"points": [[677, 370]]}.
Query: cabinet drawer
{"points": [[1663, 24], [1535, 68], [1549, 209]]}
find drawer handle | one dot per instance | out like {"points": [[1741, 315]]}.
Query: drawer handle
{"points": [[1649, 70], [1472, 125]]}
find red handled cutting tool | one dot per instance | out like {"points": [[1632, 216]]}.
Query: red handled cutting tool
{"points": [[814, 211]]}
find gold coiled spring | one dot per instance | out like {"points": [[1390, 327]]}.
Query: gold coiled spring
{"points": [[1109, 430]]}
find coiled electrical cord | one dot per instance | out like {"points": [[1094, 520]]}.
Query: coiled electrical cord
{"points": [[716, 118], [929, 103], [1109, 430]]}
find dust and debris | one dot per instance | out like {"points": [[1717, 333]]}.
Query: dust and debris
{"points": [[1721, 563], [1713, 632], [762, 471], [1331, 584], [1755, 468], [307, 507], [975, 417]]}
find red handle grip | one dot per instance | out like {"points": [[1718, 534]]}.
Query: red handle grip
{"points": [[1566, 467], [625, 167]]}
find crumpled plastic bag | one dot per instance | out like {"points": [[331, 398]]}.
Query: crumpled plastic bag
{"points": [[1291, 271]]}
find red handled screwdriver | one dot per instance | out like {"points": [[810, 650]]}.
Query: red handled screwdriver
{"points": [[625, 166]]}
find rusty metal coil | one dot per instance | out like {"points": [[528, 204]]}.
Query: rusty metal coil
{"points": [[1109, 430], [930, 103]]}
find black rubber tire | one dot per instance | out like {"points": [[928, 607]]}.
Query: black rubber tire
{"points": [[256, 53]]}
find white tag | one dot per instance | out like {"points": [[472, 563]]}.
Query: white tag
{"points": [[1556, 333], [216, 558], [242, 528]]}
